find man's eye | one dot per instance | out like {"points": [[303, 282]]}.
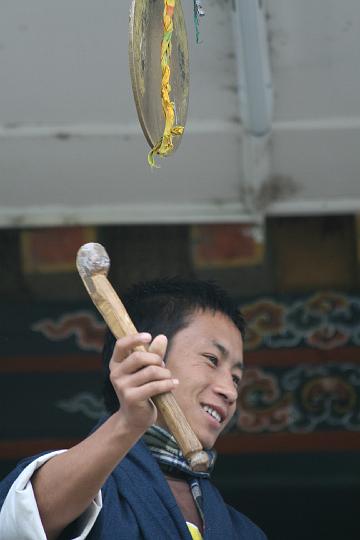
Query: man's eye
{"points": [[236, 380], [212, 359]]}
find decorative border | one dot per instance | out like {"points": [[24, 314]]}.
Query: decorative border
{"points": [[300, 391]]}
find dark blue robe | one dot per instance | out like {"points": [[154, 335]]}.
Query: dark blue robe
{"points": [[138, 504]]}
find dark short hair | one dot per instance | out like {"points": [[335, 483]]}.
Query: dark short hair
{"points": [[165, 306]]}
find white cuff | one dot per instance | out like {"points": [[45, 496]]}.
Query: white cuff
{"points": [[19, 516]]}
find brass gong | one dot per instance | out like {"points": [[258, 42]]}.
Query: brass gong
{"points": [[145, 36]]}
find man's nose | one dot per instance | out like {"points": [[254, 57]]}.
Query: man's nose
{"points": [[225, 387]]}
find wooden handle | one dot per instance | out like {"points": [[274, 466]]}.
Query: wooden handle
{"points": [[119, 322]]}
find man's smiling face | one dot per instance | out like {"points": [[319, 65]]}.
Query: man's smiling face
{"points": [[207, 358]]}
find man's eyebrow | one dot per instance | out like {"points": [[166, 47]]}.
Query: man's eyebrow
{"points": [[225, 353], [223, 350]]}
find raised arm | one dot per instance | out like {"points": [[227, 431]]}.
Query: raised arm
{"points": [[66, 485]]}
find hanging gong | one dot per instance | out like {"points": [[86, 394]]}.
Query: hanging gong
{"points": [[146, 31]]}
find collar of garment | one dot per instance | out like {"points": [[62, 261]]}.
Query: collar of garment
{"points": [[165, 450]]}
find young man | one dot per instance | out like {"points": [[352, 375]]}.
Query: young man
{"points": [[128, 480]]}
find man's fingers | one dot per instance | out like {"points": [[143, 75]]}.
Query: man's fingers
{"points": [[149, 390], [149, 374], [140, 374], [159, 345], [124, 346], [138, 360], [133, 360], [137, 370]]}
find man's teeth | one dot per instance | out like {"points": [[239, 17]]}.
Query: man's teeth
{"points": [[212, 412]]}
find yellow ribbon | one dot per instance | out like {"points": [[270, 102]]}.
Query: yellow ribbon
{"points": [[165, 145]]}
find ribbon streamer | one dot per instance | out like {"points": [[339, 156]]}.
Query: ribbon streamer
{"points": [[165, 145], [198, 12]]}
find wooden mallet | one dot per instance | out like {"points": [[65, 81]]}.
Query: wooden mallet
{"points": [[93, 264]]}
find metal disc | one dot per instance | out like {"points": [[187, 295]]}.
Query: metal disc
{"points": [[145, 36]]}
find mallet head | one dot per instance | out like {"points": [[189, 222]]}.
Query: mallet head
{"points": [[92, 259]]}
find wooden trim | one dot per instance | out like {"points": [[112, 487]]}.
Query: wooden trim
{"points": [[18, 449], [228, 444], [296, 356], [331, 441], [50, 364], [92, 362]]}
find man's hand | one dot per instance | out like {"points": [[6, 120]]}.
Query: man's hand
{"points": [[137, 376]]}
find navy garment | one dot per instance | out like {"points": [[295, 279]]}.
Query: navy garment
{"points": [[138, 504]]}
